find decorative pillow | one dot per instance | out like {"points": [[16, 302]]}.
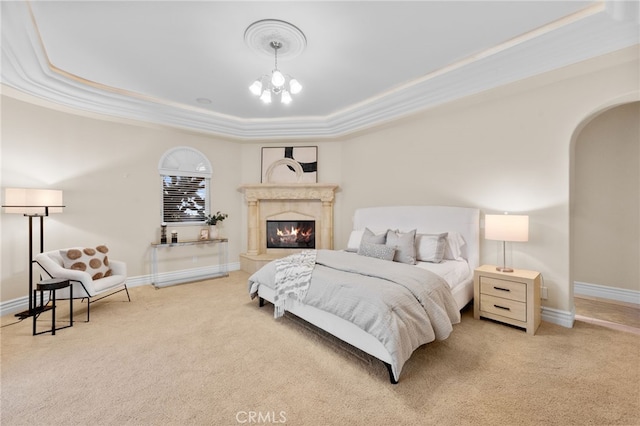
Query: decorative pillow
{"points": [[453, 248], [93, 261], [369, 237], [354, 240], [379, 251], [431, 247], [405, 245]]}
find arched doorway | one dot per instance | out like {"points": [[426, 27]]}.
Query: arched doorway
{"points": [[605, 216]]}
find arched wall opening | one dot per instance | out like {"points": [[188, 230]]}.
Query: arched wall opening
{"points": [[605, 203]]}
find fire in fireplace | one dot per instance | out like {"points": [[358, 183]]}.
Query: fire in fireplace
{"points": [[291, 234]]}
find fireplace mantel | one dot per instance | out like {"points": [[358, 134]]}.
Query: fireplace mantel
{"points": [[268, 200], [292, 191]]}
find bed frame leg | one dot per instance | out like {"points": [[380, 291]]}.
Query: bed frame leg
{"points": [[261, 302], [391, 377]]}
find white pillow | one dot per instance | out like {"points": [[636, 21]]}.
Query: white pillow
{"points": [[453, 249], [94, 261], [354, 240], [431, 247]]}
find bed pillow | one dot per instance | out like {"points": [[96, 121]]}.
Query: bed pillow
{"points": [[431, 247], [379, 251], [453, 249], [369, 237], [405, 245], [93, 261], [355, 238]]}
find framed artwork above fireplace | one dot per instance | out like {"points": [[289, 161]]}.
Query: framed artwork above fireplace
{"points": [[290, 164]]}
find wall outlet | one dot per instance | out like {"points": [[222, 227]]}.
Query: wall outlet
{"points": [[194, 259], [543, 293]]}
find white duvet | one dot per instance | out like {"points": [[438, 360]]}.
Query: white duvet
{"points": [[402, 306]]}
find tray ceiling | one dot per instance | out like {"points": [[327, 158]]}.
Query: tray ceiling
{"points": [[186, 64]]}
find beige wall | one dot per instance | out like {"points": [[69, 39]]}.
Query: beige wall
{"points": [[109, 174], [606, 200], [502, 150]]}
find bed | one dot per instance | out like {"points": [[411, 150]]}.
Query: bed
{"points": [[425, 295]]}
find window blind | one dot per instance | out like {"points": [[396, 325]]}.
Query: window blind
{"points": [[184, 198]]}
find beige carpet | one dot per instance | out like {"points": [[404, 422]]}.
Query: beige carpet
{"points": [[204, 354]]}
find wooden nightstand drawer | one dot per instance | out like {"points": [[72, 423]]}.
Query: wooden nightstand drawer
{"points": [[508, 297], [503, 307], [501, 288]]}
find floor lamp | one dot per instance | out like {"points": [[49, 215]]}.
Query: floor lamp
{"points": [[506, 227], [32, 203]]}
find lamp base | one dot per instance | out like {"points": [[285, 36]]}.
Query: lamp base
{"points": [[504, 269]]}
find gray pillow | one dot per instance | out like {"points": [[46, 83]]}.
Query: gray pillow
{"points": [[379, 251], [371, 238], [405, 245]]}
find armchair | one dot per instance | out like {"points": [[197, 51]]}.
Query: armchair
{"points": [[85, 286]]}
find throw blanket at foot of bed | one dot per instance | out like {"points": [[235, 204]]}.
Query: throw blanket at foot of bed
{"points": [[292, 279], [401, 305]]}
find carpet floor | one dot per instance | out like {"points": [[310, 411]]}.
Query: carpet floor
{"points": [[205, 354]]}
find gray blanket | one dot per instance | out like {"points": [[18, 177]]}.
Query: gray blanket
{"points": [[401, 305]]}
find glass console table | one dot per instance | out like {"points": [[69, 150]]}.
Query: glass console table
{"points": [[220, 271]]}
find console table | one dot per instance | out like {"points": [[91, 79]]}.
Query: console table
{"points": [[222, 271]]}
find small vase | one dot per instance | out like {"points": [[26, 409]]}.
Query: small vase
{"points": [[213, 232]]}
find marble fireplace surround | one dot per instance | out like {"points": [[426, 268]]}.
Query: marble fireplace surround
{"points": [[290, 201]]}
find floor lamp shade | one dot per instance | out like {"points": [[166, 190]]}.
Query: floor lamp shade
{"points": [[506, 227], [32, 202]]}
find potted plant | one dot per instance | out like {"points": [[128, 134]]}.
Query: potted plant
{"points": [[212, 220]]}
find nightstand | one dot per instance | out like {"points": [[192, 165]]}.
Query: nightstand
{"points": [[508, 297]]}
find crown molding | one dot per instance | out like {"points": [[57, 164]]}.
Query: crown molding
{"points": [[587, 34]]}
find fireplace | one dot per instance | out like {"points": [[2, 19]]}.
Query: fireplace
{"points": [[291, 234], [292, 202]]}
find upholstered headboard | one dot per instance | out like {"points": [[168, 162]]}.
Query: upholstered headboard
{"points": [[426, 220]]}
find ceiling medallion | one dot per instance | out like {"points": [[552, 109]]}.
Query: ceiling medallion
{"points": [[259, 36]]}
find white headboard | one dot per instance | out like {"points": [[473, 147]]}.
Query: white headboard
{"points": [[426, 220]]}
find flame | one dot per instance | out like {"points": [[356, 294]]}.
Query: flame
{"points": [[291, 235]]}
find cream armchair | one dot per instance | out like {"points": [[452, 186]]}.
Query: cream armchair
{"points": [[52, 265]]}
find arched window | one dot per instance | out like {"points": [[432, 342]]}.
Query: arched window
{"points": [[185, 179]]}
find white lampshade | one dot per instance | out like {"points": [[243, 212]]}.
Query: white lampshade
{"points": [[285, 97], [295, 86], [506, 227], [266, 97], [29, 201], [277, 79], [256, 87]]}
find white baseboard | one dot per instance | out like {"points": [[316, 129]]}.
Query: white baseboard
{"points": [[22, 303], [556, 316], [605, 292]]}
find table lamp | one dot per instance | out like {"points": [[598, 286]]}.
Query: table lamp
{"points": [[506, 227]]}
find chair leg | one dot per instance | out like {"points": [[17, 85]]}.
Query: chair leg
{"points": [[127, 290]]}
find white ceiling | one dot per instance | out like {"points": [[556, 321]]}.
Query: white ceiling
{"points": [[365, 61]]}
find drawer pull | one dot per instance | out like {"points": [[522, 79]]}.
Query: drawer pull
{"points": [[501, 307], [501, 288]]}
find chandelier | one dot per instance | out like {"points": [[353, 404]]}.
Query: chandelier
{"points": [[276, 84]]}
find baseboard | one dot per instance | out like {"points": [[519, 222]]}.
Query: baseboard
{"points": [[605, 292], [556, 316], [188, 275], [22, 303]]}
